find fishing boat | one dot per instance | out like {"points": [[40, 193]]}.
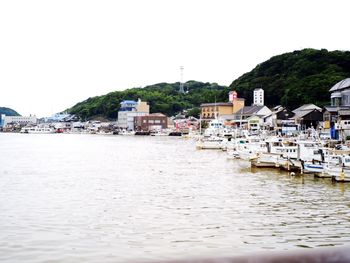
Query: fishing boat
{"points": [[37, 130], [212, 142], [278, 153]]}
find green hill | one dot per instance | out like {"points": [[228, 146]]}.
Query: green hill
{"points": [[162, 97], [8, 111], [295, 78], [290, 79]]}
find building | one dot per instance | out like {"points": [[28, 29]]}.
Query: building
{"points": [[336, 117], [151, 122], [130, 109], [279, 117], [308, 116], [250, 116], [258, 97], [215, 110], [19, 120], [331, 115], [184, 124], [340, 93], [219, 109]]}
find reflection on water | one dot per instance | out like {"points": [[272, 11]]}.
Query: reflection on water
{"points": [[82, 198]]}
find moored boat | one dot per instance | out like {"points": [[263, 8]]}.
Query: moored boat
{"points": [[37, 130], [212, 142]]}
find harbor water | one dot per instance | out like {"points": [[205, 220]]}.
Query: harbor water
{"points": [[94, 198]]}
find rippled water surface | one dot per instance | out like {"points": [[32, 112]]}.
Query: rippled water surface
{"points": [[90, 198]]}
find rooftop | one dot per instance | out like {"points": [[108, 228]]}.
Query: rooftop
{"points": [[301, 114], [345, 83], [249, 110], [306, 107], [216, 104], [157, 114], [128, 102], [334, 109]]}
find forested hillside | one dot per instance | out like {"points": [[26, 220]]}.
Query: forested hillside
{"points": [[290, 79], [162, 97], [295, 78]]}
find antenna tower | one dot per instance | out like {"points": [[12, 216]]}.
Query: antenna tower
{"points": [[181, 90]]}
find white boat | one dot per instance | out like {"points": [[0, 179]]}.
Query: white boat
{"points": [[279, 152], [310, 167], [342, 175], [159, 133], [215, 128], [232, 154], [37, 130], [126, 133], [331, 160], [337, 173], [286, 148], [293, 155], [251, 148], [266, 160], [310, 151], [212, 142]]}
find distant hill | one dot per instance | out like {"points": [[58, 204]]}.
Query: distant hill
{"points": [[8, 111], [295, 78], [162, 97]]}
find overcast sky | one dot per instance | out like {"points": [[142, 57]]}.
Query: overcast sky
{"points": [[54, 54]]}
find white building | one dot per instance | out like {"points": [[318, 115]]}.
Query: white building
{"points": [[258, 97], [19, 120]]}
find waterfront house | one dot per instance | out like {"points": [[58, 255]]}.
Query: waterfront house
{"points": [[130, 109], [340, 93], [151, 122], [251, 116], [337, 115], [280, 116], [307, 116]]}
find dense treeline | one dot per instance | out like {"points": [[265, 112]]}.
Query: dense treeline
{"points": [[162, 97], [290, 79], [8, 111], [296, 78]]}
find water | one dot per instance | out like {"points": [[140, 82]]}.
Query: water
{"points": [[90, 198]]}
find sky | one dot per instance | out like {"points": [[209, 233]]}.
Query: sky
{"points": [[54, 54]]}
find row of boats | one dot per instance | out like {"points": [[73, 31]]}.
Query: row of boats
{"points": [[302, 154], [44, 129]]}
